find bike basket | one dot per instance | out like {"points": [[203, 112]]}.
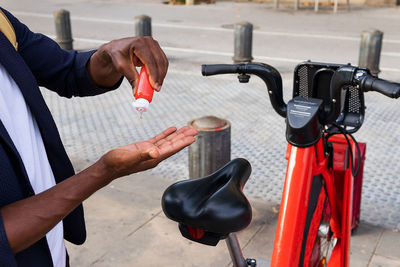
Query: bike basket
{"points": [[312, 80]]}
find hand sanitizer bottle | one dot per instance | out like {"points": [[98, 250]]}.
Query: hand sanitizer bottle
{"points": [[144, 92]]}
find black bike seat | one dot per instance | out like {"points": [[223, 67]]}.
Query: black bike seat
{"points": [[214, 204]]}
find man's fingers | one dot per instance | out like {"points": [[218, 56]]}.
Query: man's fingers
{"points": [[143, 50], [173, 140], [184, 138], [158, 67], [151, 55], [169, 137], [167, 151], [162, 135], [169, 148], [184, 131], [165, 69], [162, 66]]}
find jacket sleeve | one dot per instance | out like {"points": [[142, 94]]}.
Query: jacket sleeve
{"points": [[6, 256], [59, 70]]}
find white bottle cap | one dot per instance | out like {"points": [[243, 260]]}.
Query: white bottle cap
{"points": [[141, 104]]}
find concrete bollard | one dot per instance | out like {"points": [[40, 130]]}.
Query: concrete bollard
{"points": [[143, 25], [370, 50], [212, 149], [243, 42], [63, 29]]}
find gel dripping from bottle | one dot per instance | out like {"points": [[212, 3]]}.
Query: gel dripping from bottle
{"points": [[144, 93]]}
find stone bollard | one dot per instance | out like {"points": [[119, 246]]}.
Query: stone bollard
{"points": [[212, 149], [143, 25], [63, 29], [243, 42], [370, 50], [189, 2]]}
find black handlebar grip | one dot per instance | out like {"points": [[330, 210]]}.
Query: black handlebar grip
{"points": [[381, 86], [208, 70]]}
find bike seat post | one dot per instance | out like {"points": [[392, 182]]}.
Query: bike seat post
{"points": [[235, 251]]}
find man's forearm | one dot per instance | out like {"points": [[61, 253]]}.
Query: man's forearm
{"points": [[28, 220]]}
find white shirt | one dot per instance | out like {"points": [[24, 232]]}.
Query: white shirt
{"points": [[24, 132]]}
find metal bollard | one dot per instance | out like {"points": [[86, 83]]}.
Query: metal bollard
{"points": [[212, 149], [63, 29], [276, 4], [296, 4], [316, 6], [143, 25], [370, 50], [243, 42]]}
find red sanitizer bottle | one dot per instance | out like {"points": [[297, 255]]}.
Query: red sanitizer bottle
{"points": [[144, 92]]}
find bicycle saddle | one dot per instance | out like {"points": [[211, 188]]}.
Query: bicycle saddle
{"points": [[209, 208]]}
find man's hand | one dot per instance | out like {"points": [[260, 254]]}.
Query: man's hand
{"points": [[28, 220], [147, 154], [120, 57]]}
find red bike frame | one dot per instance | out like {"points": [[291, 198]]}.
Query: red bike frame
{"points": [[303, 165]]}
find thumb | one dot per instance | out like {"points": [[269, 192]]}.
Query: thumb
{"points": [[151, 153]]}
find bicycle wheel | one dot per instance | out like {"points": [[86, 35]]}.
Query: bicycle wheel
{"points": [[317, 242]]}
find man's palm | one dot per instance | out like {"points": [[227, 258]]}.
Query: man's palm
{"points": [[147, 154]]}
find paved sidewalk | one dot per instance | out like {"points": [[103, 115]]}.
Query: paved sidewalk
{"points": [[126, 227]]}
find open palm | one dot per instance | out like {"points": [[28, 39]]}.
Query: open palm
{"points": [[147, 154]]}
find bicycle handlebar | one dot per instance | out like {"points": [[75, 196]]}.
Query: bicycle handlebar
{"points": [[271, 77], [352, 76], [208, 70], [344, 76], [370, 83]]}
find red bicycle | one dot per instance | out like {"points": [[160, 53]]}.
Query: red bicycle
{"points": [[322, 190]]}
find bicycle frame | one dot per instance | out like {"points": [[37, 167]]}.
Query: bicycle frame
{"points": [[303, 165]]}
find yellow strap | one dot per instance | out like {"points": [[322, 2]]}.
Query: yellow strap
{"points": [[8, 30]]}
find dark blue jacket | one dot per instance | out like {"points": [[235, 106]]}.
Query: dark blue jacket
{"points": [[39, 61]]}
